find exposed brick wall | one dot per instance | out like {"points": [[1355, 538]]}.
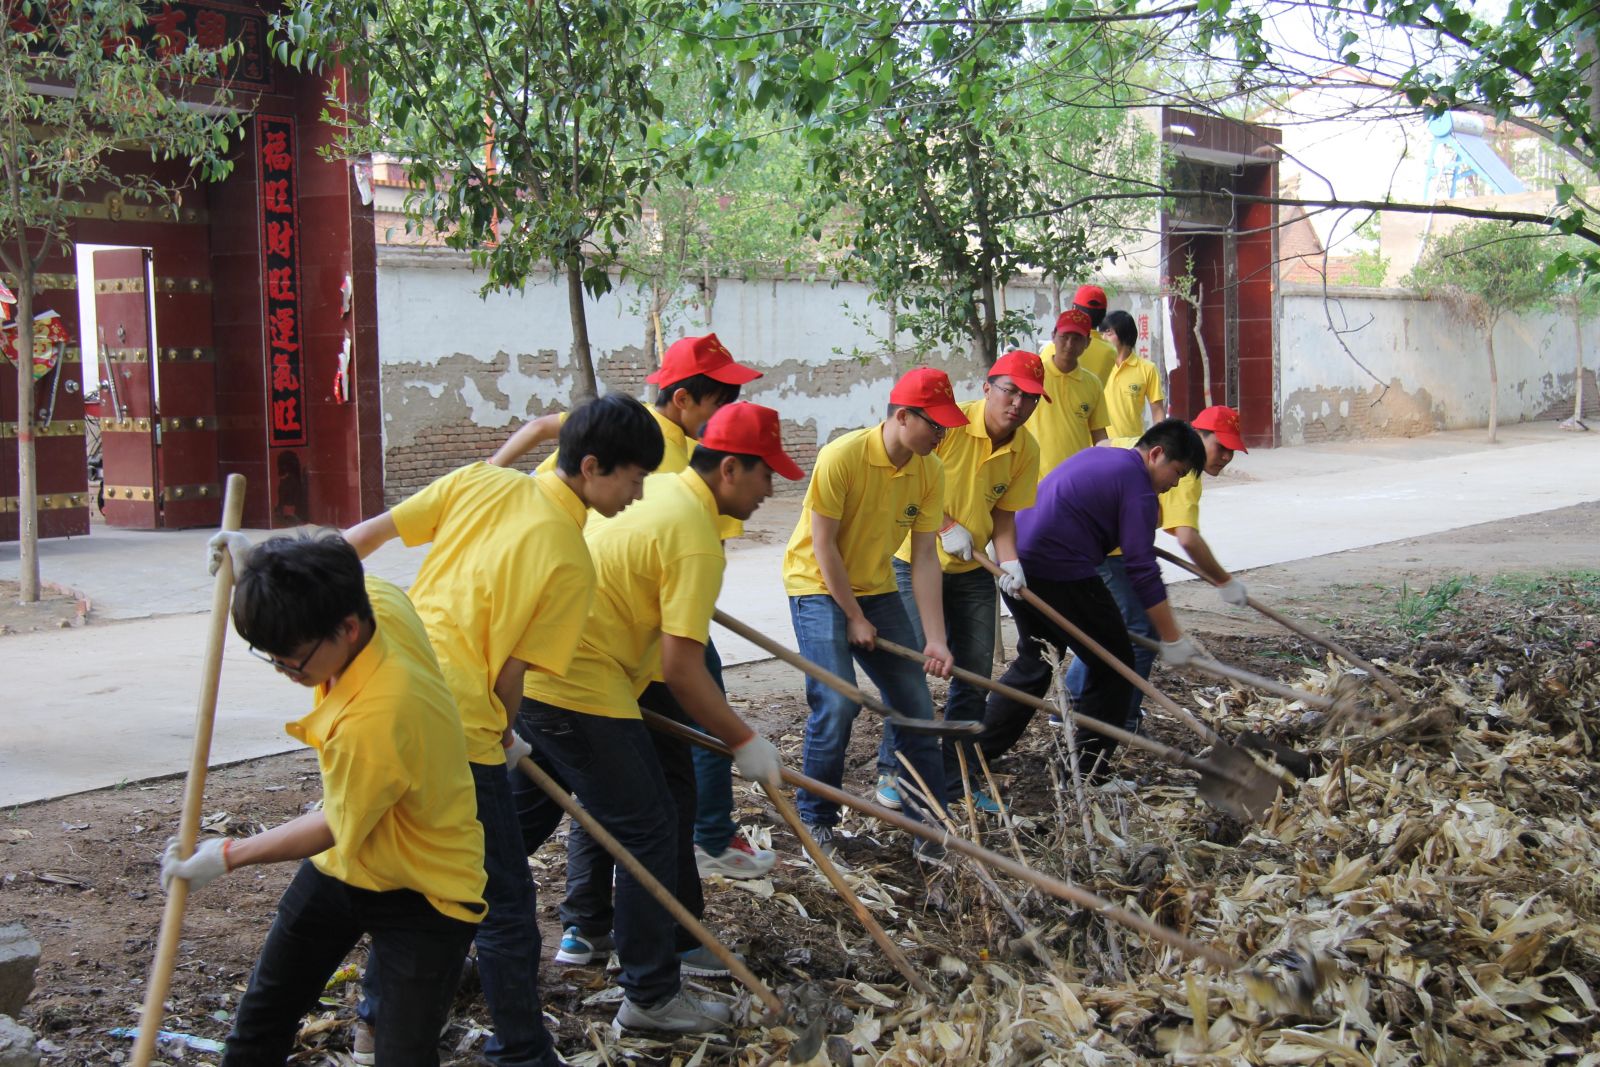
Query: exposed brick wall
{"points": [[438, 450]]}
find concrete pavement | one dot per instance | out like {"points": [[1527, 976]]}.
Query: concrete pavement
{"points": [[115, 700]]}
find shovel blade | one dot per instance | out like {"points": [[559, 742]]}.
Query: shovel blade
{"points": [[937, 727], [1238, 786]]}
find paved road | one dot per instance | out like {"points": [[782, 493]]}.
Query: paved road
{"points": [[114, 701]]}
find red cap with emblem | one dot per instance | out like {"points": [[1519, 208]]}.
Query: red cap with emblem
{"points": [[929, 390], [750, 430], [1224, 422], [1074, 321], [1025, 369], [689, 356], [1090, 296]]}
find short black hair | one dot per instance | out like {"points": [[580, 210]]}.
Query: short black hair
{"points": [[299, 588], [705, 460], [1096, 315], [616, 430], [1178, 440], [699, 387], [1121, 323]]}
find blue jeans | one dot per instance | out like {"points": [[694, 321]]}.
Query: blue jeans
{"points": [[612, 767], [1115, 574], [507, 939], [713, 783], [415, 965], [820, 630]]}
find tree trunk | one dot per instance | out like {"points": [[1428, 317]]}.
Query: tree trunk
{"points": [[1577, 381], [27, 470], [588, 389], [1200, 342], [1494, 390], [1055, 298]]}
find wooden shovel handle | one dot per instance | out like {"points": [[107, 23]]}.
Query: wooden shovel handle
{"points": [[813, 670], [1384, 682], [1217, 669], [194, 787], [653, 886]]}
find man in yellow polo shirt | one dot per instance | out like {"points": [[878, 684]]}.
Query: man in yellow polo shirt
{"points": [[1218, 428], [991, 472], [1077, 418], [658, 570], [870, 491], [1132, 382], [503, 593], [396, 851], [696, 378]]}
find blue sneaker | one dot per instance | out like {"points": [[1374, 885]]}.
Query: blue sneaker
{"points": [[578, 948], [984, 803], [701, 962], [886, 793]]}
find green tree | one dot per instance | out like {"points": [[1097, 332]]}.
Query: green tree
{"points": [[1483, 270], [530, 129], [87, 90]]}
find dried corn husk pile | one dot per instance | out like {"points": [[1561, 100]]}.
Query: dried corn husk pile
{"points": [[1438, 876]]}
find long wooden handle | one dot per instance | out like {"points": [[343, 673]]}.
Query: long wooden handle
{"points": [[1113, 662], [1217, 669], [830, 871], [1054, 886], [1327, 641], [1172, 755], [194, 788], [813, 670], [652, 885]]}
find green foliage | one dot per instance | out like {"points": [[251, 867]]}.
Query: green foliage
{"points": [[1369, 266], [121, 99], [1416, 612], [1483, 269]]}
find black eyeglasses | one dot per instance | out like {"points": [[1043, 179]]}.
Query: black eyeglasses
{"points": [[938, 428], [278, 664], [1011, 392]]}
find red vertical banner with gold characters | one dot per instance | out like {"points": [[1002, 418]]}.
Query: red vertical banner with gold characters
{"points": [[280, 271]]}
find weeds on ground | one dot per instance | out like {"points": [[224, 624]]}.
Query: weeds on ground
{"points": [[1557, 605]]}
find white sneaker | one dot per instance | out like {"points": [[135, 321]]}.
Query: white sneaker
{"points": [[739, 860], [681, 1014]]}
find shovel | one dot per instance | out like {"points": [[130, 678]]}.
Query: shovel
{"points": [[935, 727], [1383, 681], [1238, 787]]}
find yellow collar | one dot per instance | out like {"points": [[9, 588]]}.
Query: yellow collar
{"points": [[700, 491], [670, 430], [877, 452], [561, 494], [331, 700]]}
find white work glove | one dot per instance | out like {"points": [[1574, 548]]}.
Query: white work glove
{"points": [[231, 541], [957, 541], [1234, 592], [516, 750], [1013, 581], [758, 760], [1182, 651], [209, 862]]}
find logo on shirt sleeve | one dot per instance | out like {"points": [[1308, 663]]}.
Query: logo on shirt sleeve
{"points": [[998, 490], [910, 517]]}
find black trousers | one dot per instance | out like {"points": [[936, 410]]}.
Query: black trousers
{"points": [[1089, 605]]}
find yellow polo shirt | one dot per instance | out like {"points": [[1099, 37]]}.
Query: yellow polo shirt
{"points": [[877, 507], [395, 785], [978, 477], [1065, 428], [1098, 358], [1180, 505], [508, 576], [658, 569], [1130, 385], [675, 458]]}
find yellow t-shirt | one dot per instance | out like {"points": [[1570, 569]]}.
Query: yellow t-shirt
{"points": [[396, 789], [877, 508], [675, 458], [1130, 385], [979, 478], [1097, 358], [658, 569], [508, 576], [1065, 427]]}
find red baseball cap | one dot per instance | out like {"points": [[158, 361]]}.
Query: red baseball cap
{"points": [[750, 430], [1074, 321], [1224, 422], [1025, 369], [929, 390], [1090, 296], [689, 356]]}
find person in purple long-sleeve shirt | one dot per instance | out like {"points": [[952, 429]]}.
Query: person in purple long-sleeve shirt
{"points": [[1098, 500]]}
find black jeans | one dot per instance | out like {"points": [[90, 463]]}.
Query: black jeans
{"points": [[319, 921], [508, 937], [588, 904], [612, 767], [1087, 604]]}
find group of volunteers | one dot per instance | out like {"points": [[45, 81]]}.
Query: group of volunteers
{"points": [[551, 610]]}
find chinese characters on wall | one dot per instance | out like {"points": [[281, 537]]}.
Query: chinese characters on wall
{"points": [[280, 271]]}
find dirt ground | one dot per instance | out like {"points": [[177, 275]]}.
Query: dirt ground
{"points": [[81, 871], [54, 610]]}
